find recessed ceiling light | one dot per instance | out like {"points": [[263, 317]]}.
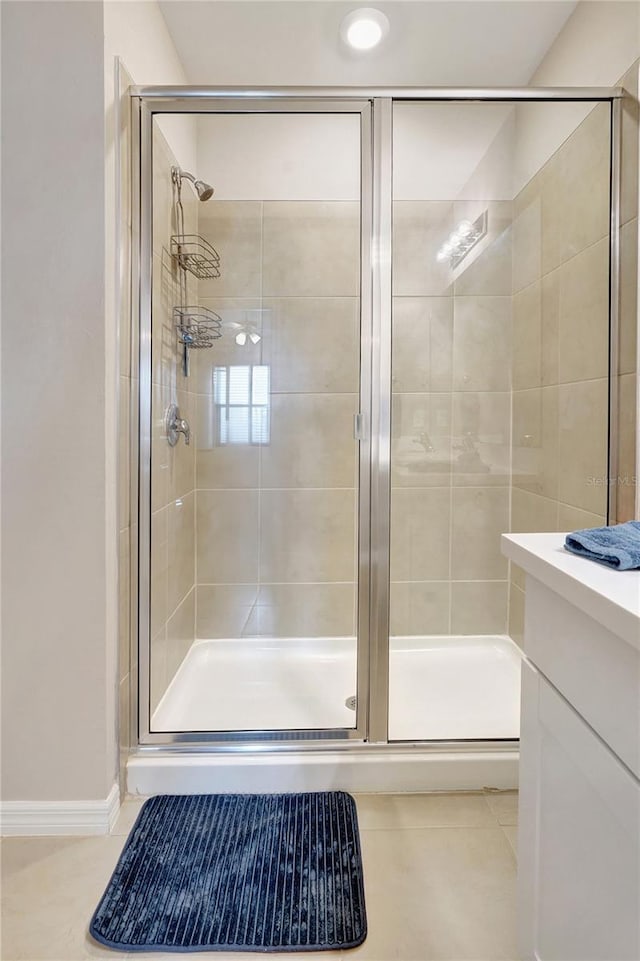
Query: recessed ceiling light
{"points": [[363, 29]]}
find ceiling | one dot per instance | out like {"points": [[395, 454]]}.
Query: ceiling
{"points": [[452, 43]]}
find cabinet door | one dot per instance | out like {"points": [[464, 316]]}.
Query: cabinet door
{"points": [[579, 837]]}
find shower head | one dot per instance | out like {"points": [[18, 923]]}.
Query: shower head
{"points": [[203, 190]]}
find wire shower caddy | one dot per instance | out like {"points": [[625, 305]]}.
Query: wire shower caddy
{"points": [[197, 326], [196, 255]]}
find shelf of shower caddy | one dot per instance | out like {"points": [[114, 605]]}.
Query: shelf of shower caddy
{"points": [[196, 255], [197, 326]]}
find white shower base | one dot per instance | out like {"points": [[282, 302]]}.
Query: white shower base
{"points": [[441, 688]]}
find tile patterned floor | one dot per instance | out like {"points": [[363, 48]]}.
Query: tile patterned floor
{"points": [[439, 875]]}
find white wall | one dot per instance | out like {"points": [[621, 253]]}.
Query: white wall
{"points": [[58, 707], [280, 156], [443, 151], [271, 43], [137, 34], [596, 47], [59, 384], [437, 149]]}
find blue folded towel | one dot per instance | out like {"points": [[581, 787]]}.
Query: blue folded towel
{"points": [[617, 546]]}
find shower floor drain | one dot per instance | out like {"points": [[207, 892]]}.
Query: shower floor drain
{"points": [[351, 702]]}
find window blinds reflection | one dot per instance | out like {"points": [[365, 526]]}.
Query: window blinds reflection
{"points": [[242, 410]]}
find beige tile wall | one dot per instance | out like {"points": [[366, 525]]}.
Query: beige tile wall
{"points": [[276, 523], [451, 381], [173, 497], [560, 342]]}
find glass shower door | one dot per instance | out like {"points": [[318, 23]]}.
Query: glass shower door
{"points": [[280, 545], [255, 493], [500, 330]]}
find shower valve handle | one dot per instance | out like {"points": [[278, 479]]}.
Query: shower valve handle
{"points": [[175, 424]]}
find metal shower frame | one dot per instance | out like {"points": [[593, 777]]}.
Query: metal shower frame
{"points": [[375, 107]]}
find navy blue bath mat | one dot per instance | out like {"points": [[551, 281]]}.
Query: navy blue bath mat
{"points": [[237, 872]]}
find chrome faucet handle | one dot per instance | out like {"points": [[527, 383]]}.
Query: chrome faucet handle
{"points": [[182, 426], [176, 424]]}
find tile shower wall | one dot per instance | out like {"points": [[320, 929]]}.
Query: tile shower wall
{"points": [[172, 468], [560, 342], [276, 518], [450, 424]]}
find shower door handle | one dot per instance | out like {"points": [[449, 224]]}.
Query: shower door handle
{"points": [[359, 426]]}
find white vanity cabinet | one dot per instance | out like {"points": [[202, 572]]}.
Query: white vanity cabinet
{"points": [[579, 823]]}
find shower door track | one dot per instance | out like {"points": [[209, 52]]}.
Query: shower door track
{"points": [[375, 106]]}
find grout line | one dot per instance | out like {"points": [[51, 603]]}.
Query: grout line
{"points": [[497, 580], [454, 391], [562, 264], [556, 502], [296, 393], [439, 827], [574, 507], [280, 584], [459, 580], [277, 490], [179, 605], [318, 201]]}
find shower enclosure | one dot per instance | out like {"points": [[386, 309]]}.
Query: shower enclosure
{"points": [[382, 341]]}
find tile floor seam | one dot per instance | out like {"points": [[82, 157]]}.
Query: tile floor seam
{"points": [[442, 827]]}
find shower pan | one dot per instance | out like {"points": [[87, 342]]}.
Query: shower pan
{"points": [[411, 300]]}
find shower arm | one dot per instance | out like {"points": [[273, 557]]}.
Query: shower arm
{"points": [[202, 189], [177, 175]]}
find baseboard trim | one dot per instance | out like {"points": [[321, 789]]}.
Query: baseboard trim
{"points": [[43, 818]]}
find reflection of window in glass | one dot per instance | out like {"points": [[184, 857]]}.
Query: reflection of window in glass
{"points": [[241, 396]]}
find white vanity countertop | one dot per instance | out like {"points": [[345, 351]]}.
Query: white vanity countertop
{"points": [[611, 597]]}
